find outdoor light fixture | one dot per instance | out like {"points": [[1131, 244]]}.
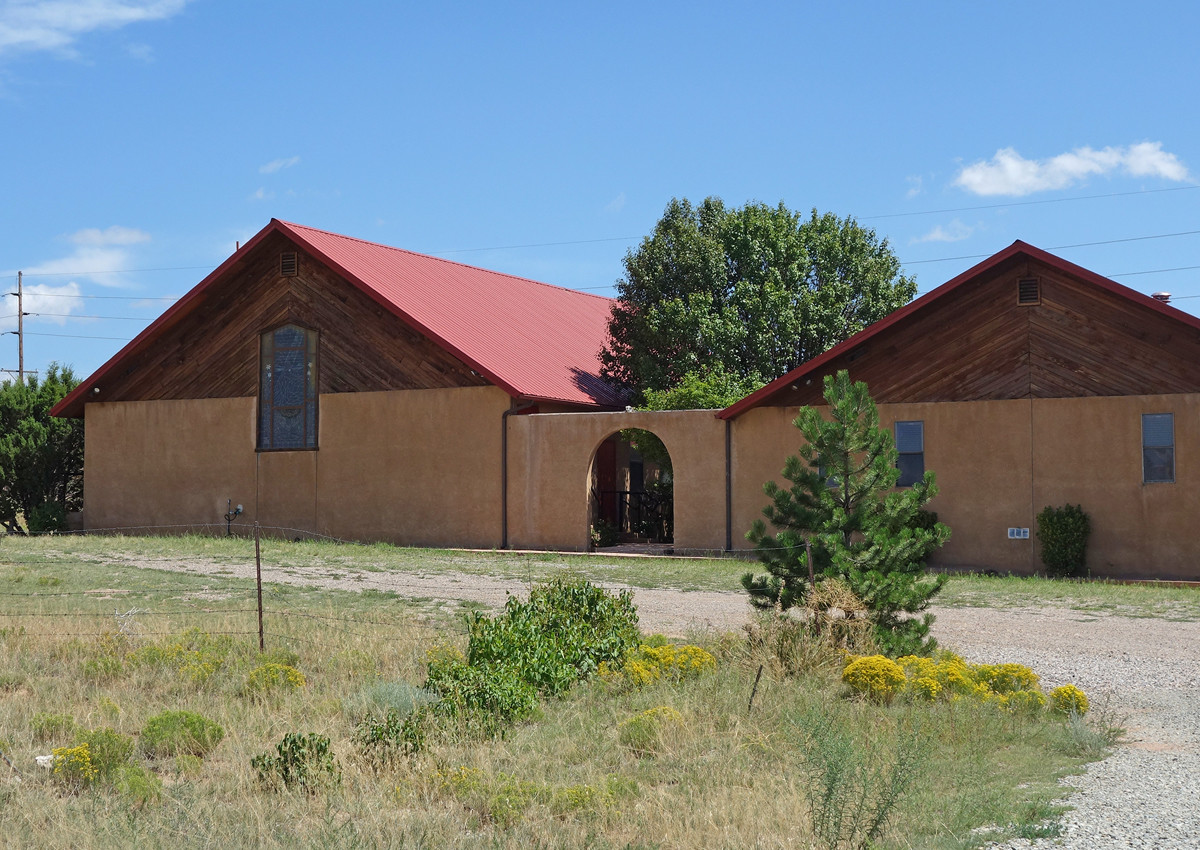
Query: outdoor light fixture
{"points": [[231, 514], [95, 391]]}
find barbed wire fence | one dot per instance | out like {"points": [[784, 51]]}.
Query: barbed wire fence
{"points": [[260, 614], [268, 615]]}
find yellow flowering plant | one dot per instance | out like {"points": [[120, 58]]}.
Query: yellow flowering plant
{"points": [[1069, 699], [877, 677]]}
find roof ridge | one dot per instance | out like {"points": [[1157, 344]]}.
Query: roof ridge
{"points": [[293, 224]]}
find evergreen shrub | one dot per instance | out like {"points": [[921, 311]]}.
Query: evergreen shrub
{"points": [[1063, 533]]}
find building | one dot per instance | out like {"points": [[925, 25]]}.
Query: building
{"points": [[345, 388], [335, 385]]}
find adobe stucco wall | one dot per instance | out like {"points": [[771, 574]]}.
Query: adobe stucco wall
{"points": [[550, 459], [162, 463], [988, 455], [423, 467], [1089, 451], [416, 467]]}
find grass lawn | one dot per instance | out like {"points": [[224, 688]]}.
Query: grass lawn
{"points": [[680, 573], [90, 641], [711, 574]]}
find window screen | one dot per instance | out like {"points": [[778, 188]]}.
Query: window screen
{"points": [[287, 389], [910, 444], [1158, 448]]}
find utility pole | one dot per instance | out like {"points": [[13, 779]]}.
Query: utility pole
{"points": [[20, 331]]}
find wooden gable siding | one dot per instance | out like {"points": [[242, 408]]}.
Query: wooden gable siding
{"points": [[213, 351], [977, 344]]}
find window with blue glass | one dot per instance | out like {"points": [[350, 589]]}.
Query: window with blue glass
{"points": [[910, 446], [287, 389]]}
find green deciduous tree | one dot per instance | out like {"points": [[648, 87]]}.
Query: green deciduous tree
{"points": [[41, 458], [843, 501], [710, 389], [755, 291]]}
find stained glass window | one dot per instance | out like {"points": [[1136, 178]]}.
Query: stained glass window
{"points": [[287, 389]]}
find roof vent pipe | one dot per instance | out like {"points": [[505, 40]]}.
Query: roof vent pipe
{"points": [[1164, 297]]}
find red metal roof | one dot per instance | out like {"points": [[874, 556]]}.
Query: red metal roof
{"points": [[534, 340], [1018, 248]]}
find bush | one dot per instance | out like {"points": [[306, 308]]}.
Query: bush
{"points": [[832, 622], [174, 733], [271, 677], [647, 664], [487, 698], [196, 656], [876, 677], [72, 766], [650, 732], [566, 630], [1024, 702], [108, 749], [137, 784], [397, 734], [1006, 678], [1069, 699], [47, 518], [1063, 533], [301, 761]]}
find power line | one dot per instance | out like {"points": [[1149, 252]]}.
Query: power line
{"points": [[1061, 247], [82, 316], [534, 245], [77, 336], [1028, 203], [108, 297], [116, 271], [617, 239], [1159, 271]]}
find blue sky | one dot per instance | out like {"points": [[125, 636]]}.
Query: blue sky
{"points": [[143, 138]]}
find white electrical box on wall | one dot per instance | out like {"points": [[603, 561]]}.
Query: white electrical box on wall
{"points": [[1018, 534]]}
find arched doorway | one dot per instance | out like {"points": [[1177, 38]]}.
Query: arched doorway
{"points": [[631, 491]]}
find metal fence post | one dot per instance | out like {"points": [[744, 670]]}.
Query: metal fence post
{"points": [[258, 581]]}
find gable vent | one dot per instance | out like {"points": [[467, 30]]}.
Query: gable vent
{"points": [[1029, 291], [288, 264]]}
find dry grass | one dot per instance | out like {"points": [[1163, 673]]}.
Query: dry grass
{"points": [[723, 778]]}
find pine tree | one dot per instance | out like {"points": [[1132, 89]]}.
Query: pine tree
{"points": [[843, 501]]}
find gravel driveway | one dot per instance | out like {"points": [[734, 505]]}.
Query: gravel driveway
{"points": [[1146, 795]]}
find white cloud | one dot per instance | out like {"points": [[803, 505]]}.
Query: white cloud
{"points": [[1009, 173], [42, 298], [57, 24], [955, 231], [616, 204], [261, 194], [914, 186], [278, 165], [115, 235], [98, 255]]}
